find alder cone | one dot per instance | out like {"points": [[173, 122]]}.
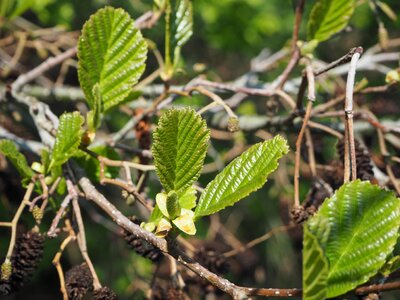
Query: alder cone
{"points": [[78, 281], [104, 293], [363, 160], [140, 246], [25, 259]]}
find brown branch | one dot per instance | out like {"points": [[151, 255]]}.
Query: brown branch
{"points": [[373, 288], [43, 67], [259, 240], [171, 248]]}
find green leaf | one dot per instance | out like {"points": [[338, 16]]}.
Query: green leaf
{"points": [[328, 17], [188, 199], [315, 264], [179, 149], [112, 54], [391, 266], [364, 221], [183, 27], [68, 138], [94, 116], [387, 10], [91, 165], [246, 174], [10, 150], [178, 30]]}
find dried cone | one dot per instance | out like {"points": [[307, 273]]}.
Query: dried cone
{"points": [[363, 160], [142, 247], [212, 260], [165, 290], [26, 256], [78, 281], [104, 293]]}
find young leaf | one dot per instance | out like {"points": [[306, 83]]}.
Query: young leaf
{"points": [[179, 149], [9, 150], [112, 54], [246, 174], [328, 17], [315, 264], [364, 221], [68, 138], [183, 27], [178, 30]]}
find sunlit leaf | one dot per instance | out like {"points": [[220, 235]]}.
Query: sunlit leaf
{"points": [[364, 222], [68, 138], [179, 149], [10, 150], [315, 264], [329, 17], [112, 54], [246, 174]]}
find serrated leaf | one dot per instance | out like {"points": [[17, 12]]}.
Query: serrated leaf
{"points": [[328, 17], [179, 29], [183, 27], [315, 264], [10, 150], [364, 221], [68, 138], [112, 54], [179, 149], [246, 174]]}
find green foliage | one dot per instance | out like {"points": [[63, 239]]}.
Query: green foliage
{"points": [[13, 8], [178, 30], [91, 165], [68, 138], [10, 150], [329, 17], [246, 174], [364, 221], [179, 149], [112, 54], [391, 266], [315, 264], [94, 115]]}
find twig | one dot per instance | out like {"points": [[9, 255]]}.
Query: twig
{"points": [[295, 49], [259, 240], [350, 167], [16, 217], [225, 285], [52, 232], [216, 99], [388, 286], [120, 163], [311, 99], [56, 263], [81, 233], [43, 67]]}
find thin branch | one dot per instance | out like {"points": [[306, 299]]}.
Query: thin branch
{"points": [[81, 236], [43, 67], [259, 240], [171, 248], [311, 99], [14, 222], [350, 168]]}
